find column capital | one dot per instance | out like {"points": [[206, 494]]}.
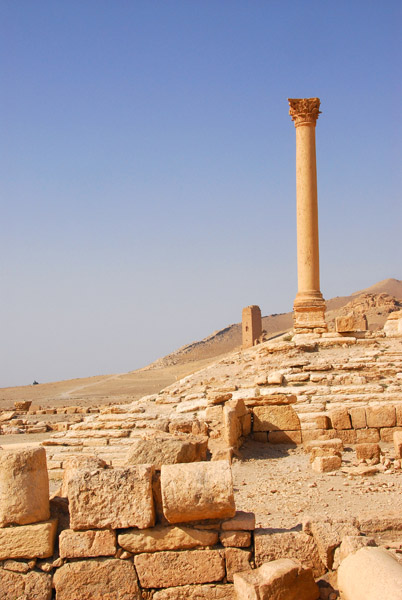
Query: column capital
{"points": [[304, 111]]}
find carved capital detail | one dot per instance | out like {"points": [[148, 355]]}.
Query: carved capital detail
{"points": [[304, 111]]}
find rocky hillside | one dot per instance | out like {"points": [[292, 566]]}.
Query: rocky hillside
{"points": [[376, 302]]}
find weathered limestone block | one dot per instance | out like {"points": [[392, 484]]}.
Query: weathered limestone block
{"points": [[358, 417], [87, 544], [24, 487], [28, 541], [393, 325], [166, 538], [310, 435], [242, 521], [352, 543], [367, 436], [398, 409], [197, 491], [79, 461], [340, 419], [283, 579], [166, 450], [97, 579], [275, 418], [206, 591], [326, 464], [348, 436], [397, 438], [170, 569], [370, 574], [382, 415], [367, 451], [387, 434], [29, 586], [351, 322], [328, 536], [231, 426], [335, 444], [245, 422], [275, 378], [290, 544], [315, 452], [112, 498], [237, 561], [235, 539]]}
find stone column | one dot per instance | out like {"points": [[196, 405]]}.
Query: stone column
{"points": [[309, 305]]}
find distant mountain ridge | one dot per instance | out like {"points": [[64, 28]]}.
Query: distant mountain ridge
{"points": [[376, 301]]}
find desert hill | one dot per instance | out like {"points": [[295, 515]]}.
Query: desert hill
{"points": [[376, 302]]}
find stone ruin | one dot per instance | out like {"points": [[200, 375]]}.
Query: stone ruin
{"points": [[145, 506]]}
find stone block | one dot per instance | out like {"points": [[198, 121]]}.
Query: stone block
{"points": [[316, 452], [231, 426], [166, 450], [79, 461], [237, 561], [207, 591], [214, 413], [275, 418], [367, 451], [358, 417], [309, 435], [166, 538], [87, 544], [387, 434], [235, 539], [97, 579], [381, 415], [275, 378], [170, 569], [340, 419], [29, 586], [325, 464], [28, 541], [283, 579], [242, 521], [322, 422], [335, 444], [245, 422], [285, 437], [260, 436], [290, 544], [197, 491], [111, 498], [348, 436], [397, 439], [367, 436], [328, 536], [351, 322], [24, 487], [351, 543], [398, 410]]}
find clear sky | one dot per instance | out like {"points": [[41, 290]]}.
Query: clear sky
{"points": [[148, 177]]}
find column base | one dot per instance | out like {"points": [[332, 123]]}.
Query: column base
{"points": [[309, 314]]}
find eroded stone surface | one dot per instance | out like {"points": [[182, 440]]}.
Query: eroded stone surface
{"points": [[87, 544], [113, 498], [165, 538], [197, 491], [97, 579], [275, 418], [197, 592], [170, 569], [28, 541], [24, 487], [29, 586]]}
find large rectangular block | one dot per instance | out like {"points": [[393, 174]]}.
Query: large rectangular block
{"points": [[397, 438], [275, 418], [195, 491], [382, 415], [111, 498], [169, 569], [340, 418], [358, 417], [28, 541], [24, 487], [290, 544], [87, 544], [165, 538], [97, 579]]}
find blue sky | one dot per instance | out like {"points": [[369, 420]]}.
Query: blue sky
{"points": [[148, 177]]}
